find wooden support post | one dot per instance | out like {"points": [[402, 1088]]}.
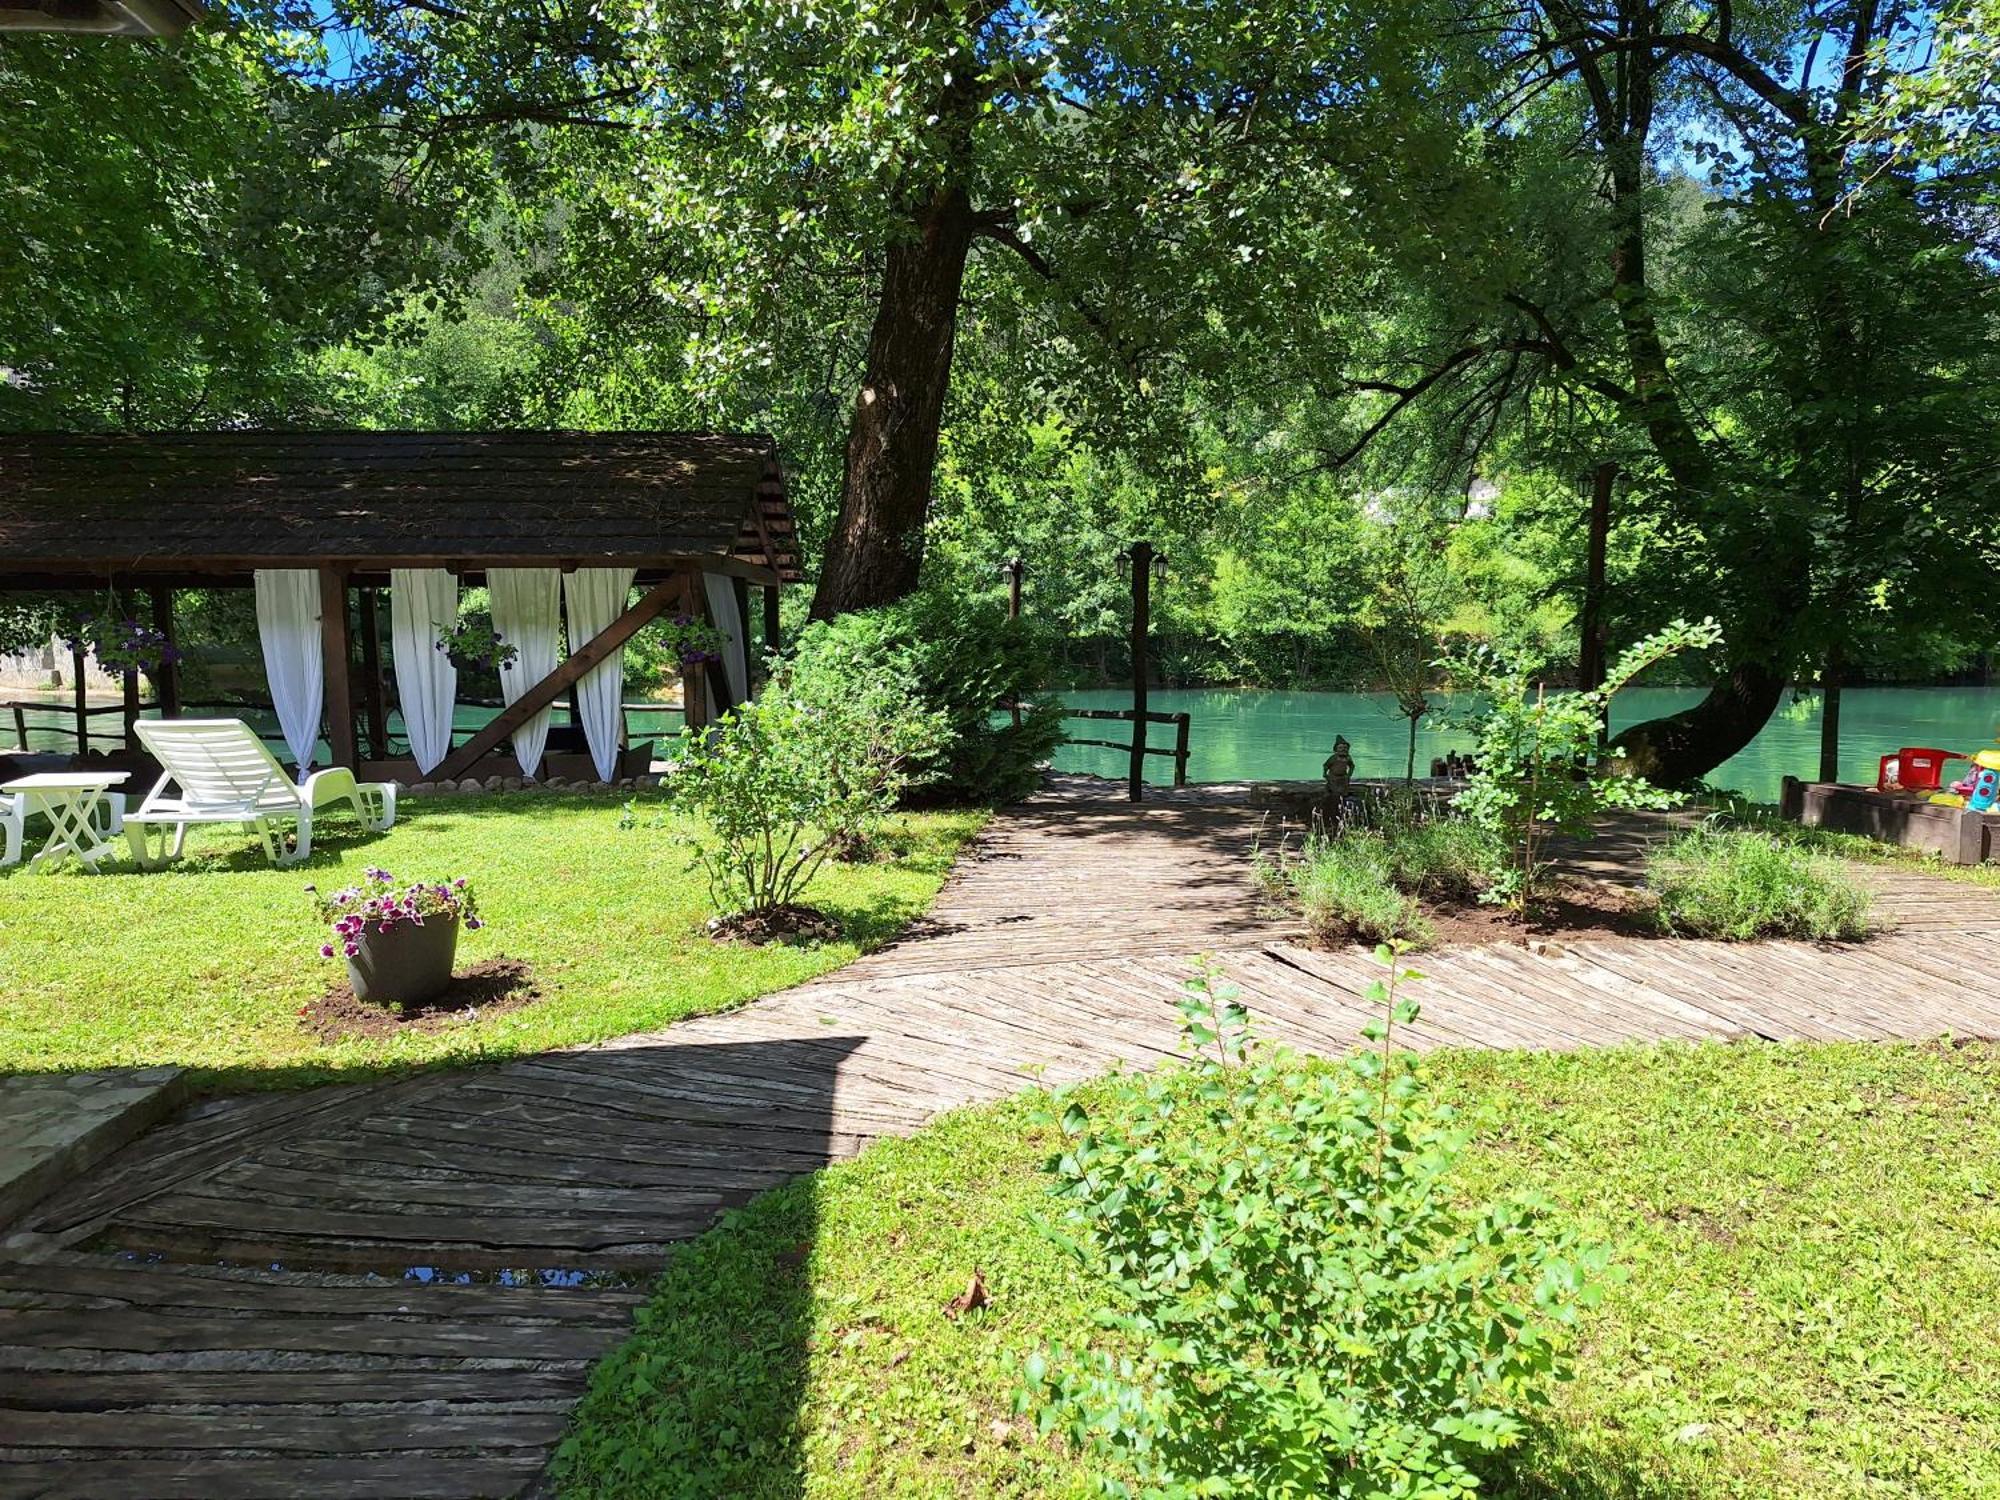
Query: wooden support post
{"points": [[336, 652], [1181, 723], [572, 669], [1142, 607], [130, 685], [77, 669], [1013, 567], [371, 675], [742, 586], [773, 630], [1829, 717], [166, 676], [693, 602], [128, 602]]}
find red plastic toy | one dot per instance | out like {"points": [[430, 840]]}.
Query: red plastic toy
{"points": [[1914, 768]]}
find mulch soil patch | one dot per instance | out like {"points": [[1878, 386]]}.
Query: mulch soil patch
{"points": [[490, 987], [780, 924], [1573, 908]]}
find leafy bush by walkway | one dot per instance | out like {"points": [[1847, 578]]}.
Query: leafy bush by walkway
{"points": [[1300, 1305], [807, 771], [1807, 1234], [1741, 884], [956, 658]]}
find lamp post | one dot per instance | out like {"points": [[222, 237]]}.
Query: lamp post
{"points": [[1591, 663], [1013, 568], [1140, 563]]}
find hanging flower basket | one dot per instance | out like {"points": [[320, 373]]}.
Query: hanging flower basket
{"points": [[120, 645], [692, 642], [475, 646], [399, 942]]}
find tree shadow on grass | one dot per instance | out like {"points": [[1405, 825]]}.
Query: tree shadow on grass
{"points": [[213, 849], [516, 1214]]}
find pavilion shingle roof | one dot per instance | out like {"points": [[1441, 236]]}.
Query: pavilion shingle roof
{"points": [[220, 502]]}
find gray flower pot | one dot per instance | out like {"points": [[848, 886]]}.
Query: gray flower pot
{"points": [[407, 965]]}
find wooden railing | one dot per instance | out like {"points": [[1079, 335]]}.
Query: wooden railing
{"points": [[65, 716], [1180, 721], [60, 718]]}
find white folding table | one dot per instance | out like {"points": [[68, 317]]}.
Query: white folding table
{"points": [[83, 812]]}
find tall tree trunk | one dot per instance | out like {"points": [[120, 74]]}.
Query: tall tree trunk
{"points": [[1686, 746], [877, 544], [1829, 718], [1680, 747]]}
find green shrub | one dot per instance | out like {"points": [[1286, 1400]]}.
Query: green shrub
{"points": [[1300, 1306], [806, 770], [1346, 892], [1740, 884], [1538, 770], [959, 659]]}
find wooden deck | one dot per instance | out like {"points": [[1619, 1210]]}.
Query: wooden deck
{"points": [[223, 1309]]}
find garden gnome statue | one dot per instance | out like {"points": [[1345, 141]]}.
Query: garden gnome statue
{"points": [[1339, 767]]}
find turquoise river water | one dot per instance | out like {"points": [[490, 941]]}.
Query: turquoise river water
{"points": [[1246, 735]]}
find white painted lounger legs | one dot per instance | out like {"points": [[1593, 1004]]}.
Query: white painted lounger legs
{"points": [[157, 838]]}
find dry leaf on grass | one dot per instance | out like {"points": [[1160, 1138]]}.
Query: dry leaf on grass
{"points": [[973, 1296]]}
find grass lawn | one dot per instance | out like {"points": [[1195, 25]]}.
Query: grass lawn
{"points": [[1809, 1237], [208, 962]]}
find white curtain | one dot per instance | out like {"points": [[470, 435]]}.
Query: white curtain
{"points": [[720, 590], [596, 598], [527, 603], [422, 602], [294, 664]]}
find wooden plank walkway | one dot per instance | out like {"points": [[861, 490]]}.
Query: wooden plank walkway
{"points": [[263, 1297]]}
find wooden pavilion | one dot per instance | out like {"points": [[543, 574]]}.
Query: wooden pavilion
{"points": [[163, 511]]}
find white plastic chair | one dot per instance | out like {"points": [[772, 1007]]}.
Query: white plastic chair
{"points": [[227, 775]]}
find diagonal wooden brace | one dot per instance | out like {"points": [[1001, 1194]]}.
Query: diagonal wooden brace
{"points": [[663, 596]]}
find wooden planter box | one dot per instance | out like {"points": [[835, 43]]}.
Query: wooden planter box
{"points": [[1956, 835]]}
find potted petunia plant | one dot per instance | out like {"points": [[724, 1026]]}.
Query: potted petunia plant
{"points": [[399, 940]]}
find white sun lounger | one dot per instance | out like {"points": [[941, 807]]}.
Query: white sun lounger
{"points": [[227, 775], [13, 823]]}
